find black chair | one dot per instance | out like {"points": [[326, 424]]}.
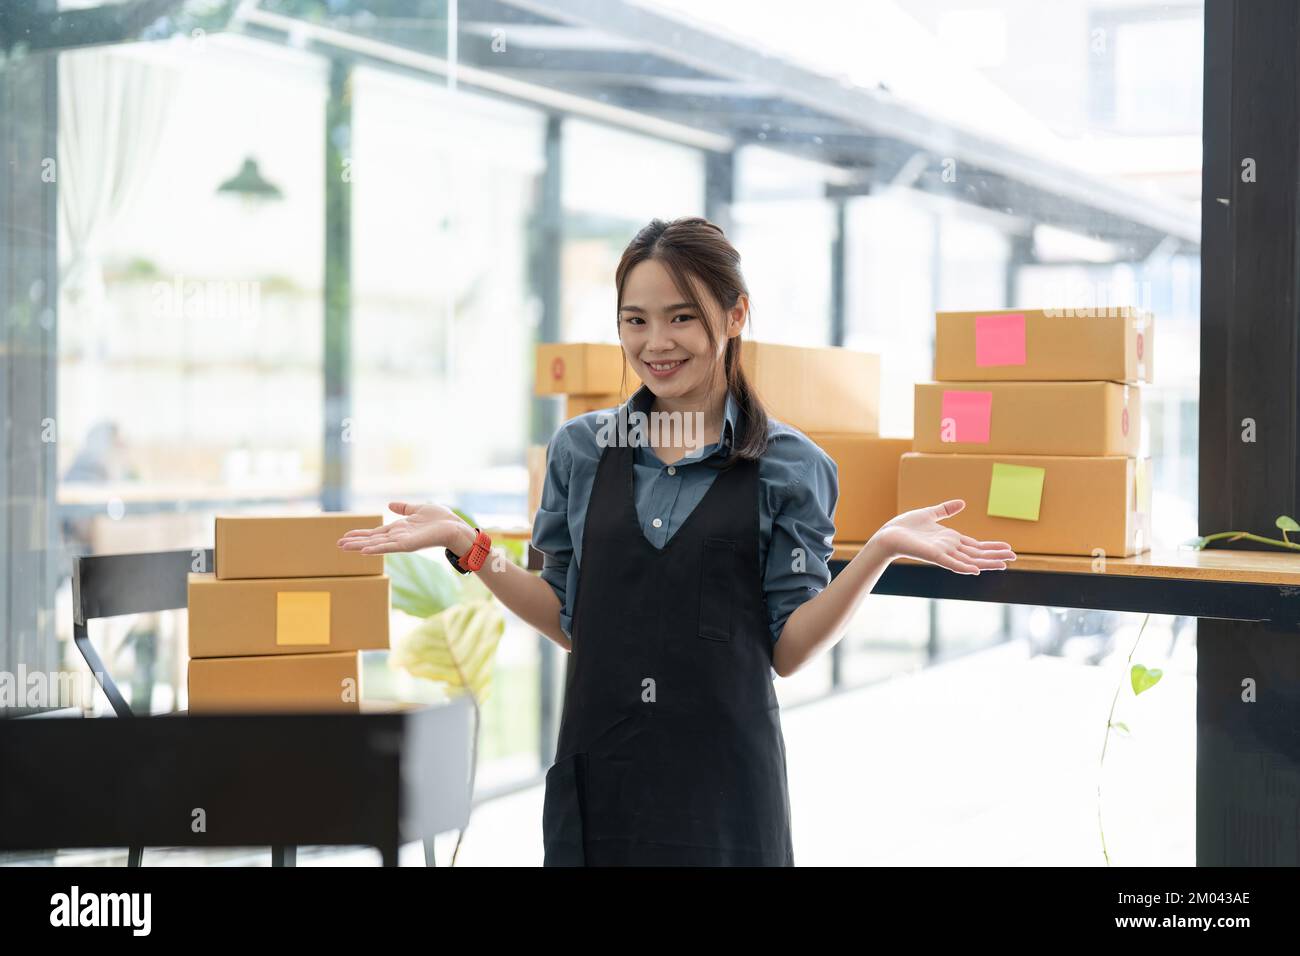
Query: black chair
{"points": [[114, 584]]}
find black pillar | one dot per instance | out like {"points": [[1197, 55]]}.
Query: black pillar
{"points": [[337, 447], [1020, 254], [1248, 753], [545, 254], [839, 251], [546, 248], [719, 189], [30, 554]]}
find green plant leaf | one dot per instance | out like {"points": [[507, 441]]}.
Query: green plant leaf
{"points": [[420, 586], [455, 647], [1284, 543], [1121, 727], [1144, 678], [1287, 523]]}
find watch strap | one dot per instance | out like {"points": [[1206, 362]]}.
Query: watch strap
{"points": [[475, 557]]}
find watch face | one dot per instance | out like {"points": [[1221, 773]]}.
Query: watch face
{"points": [[453, 560]]}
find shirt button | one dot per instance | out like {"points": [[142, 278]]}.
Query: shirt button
{"points": [[657, 523], [672, 470]]}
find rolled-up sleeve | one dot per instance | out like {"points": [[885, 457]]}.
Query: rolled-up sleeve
{"points": [[551, 534], [798, 561]]}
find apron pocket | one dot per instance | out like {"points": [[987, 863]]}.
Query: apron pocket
{"points": [[717, 577], [563, 810]]}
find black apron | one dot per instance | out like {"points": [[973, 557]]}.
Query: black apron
{"points": [[670, 749]]}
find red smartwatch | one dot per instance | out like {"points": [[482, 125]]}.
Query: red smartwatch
{"points": [[474, 559]]}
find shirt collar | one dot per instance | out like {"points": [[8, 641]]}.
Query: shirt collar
{"points": [[643, 398]]}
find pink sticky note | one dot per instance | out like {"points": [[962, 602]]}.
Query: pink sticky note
{"points": [[970, 412], [1000, 339]]}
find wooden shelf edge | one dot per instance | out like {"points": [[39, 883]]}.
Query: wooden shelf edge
{"points": [[1244, 567]]}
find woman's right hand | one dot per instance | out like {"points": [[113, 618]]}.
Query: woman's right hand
{"points": [[422, 526]]}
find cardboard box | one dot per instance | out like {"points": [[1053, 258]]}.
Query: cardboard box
{"points": [[1041, 504], [816, 389], [813, 389], [575, 405], [238, 618], [536, 478], [1033, 345], [868, 473], [583, 368], [265, 684], [298, 546], [1028, 418]]}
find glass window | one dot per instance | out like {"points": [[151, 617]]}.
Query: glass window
{"points": [[294, 255], [614, 182]]}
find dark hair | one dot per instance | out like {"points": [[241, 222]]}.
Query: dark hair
{"points": [[693, 246]]}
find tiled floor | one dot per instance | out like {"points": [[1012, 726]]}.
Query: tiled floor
{"points": [[992, 759]]}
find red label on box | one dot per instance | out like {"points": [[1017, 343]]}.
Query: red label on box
{"points": [[1000, 339], [969, 413]]}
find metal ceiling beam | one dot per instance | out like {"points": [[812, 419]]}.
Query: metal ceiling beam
{"points": [[616, 66], [496, 13], [870, 110], [741, 107], [23, 24], [329, 40], [813, 116]]}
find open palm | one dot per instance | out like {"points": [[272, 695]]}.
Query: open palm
{"points": [[422, 526], [918, 534]]}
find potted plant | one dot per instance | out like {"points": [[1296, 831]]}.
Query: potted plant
{"points": [[460, 627]]}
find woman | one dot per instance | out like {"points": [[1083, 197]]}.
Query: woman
{"points": [[682, 571]]}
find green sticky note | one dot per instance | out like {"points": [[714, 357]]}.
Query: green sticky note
{"points": [[1016, 491]]}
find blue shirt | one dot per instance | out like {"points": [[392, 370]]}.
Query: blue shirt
{"points": [[799, 485]]}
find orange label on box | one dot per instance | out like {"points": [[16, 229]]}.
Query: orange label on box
{"points": [[302, 617]]}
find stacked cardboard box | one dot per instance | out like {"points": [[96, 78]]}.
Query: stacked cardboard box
{"points": [[280, 622], [590, 375], [813, 389], [868, 480], [830, 394], [1034, 421]]}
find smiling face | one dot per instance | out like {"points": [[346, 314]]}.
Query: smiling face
{"points": [[665, 339]]}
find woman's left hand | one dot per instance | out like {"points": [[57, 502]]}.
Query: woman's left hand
{"points": [[918, 534]]}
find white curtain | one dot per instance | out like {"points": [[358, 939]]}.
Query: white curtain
{"points": [[113, 110]]}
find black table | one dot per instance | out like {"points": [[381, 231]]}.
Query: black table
{"points": [[376, 779], [1220, 584]]}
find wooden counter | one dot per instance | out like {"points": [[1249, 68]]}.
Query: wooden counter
{"points": [[1224, 584], [1250, 567]]}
